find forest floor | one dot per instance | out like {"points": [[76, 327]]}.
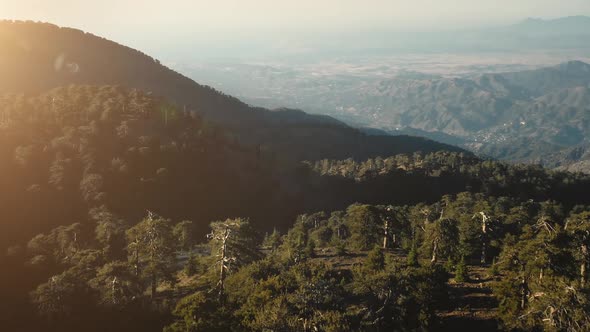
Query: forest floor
{"points": [[473, 305]]}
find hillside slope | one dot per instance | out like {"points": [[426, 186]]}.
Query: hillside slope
{"points": [[57, 56], [518, 116]]}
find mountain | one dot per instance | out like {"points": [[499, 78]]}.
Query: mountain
{"points": [[130, 210], [546, 80], [87, 122], [520, 116], [564, 33], [571, 25], [56, 56]]}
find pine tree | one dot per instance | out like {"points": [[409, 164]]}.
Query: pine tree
{"points": [[375, 259], [461, 273], [152, 250]]}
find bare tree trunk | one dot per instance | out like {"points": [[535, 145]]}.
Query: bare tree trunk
{"points": [[434, 251], [114, 290], [385, 232], [222, 270], [136, 259], [524, 293], [484, 238], [75, 242]]}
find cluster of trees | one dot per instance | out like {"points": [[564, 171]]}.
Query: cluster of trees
{"points": [[278, 295], [80, 147], [536, 251], [446, 172], [107, 269], [84, 163], [369, 267], [134, 277], [429, 164]]}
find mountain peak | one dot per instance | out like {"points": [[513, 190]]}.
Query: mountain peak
{"points": [[575, 25], [574, 66], [567, 19]]}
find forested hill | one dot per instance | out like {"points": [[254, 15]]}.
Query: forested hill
{"points": [[76, 148], [73, 149], [57, 56]]}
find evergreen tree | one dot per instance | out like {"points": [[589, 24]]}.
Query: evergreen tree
{"points": [[151, 248], [375, 259]]}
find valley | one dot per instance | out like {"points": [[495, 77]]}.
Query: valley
{"points": [[492, 102]]}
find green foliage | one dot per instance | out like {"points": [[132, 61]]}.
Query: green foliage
{"points": [[95, 157], [494, 270], [402, 300], [185, 234], [233, 244], [537, 245], [340, 248], [461, 272], [322, 235], [60, 244], [540, 284], [61, 296], [191, 267], [151, 249], [412, 259], [116, 285], [273, 240], [441, 240], [310, 249], [365, 226], [241, 241], [295, 243], [110, 232], [200, 312], [375, 259], [556, 305]]}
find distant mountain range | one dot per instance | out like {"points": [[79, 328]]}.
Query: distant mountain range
{"points": [[531, 34], [563, 33], [526, 116], [36, 57], [572, 25]]}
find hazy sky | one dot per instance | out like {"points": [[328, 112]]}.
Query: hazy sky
{"points": [[141, 22]]}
